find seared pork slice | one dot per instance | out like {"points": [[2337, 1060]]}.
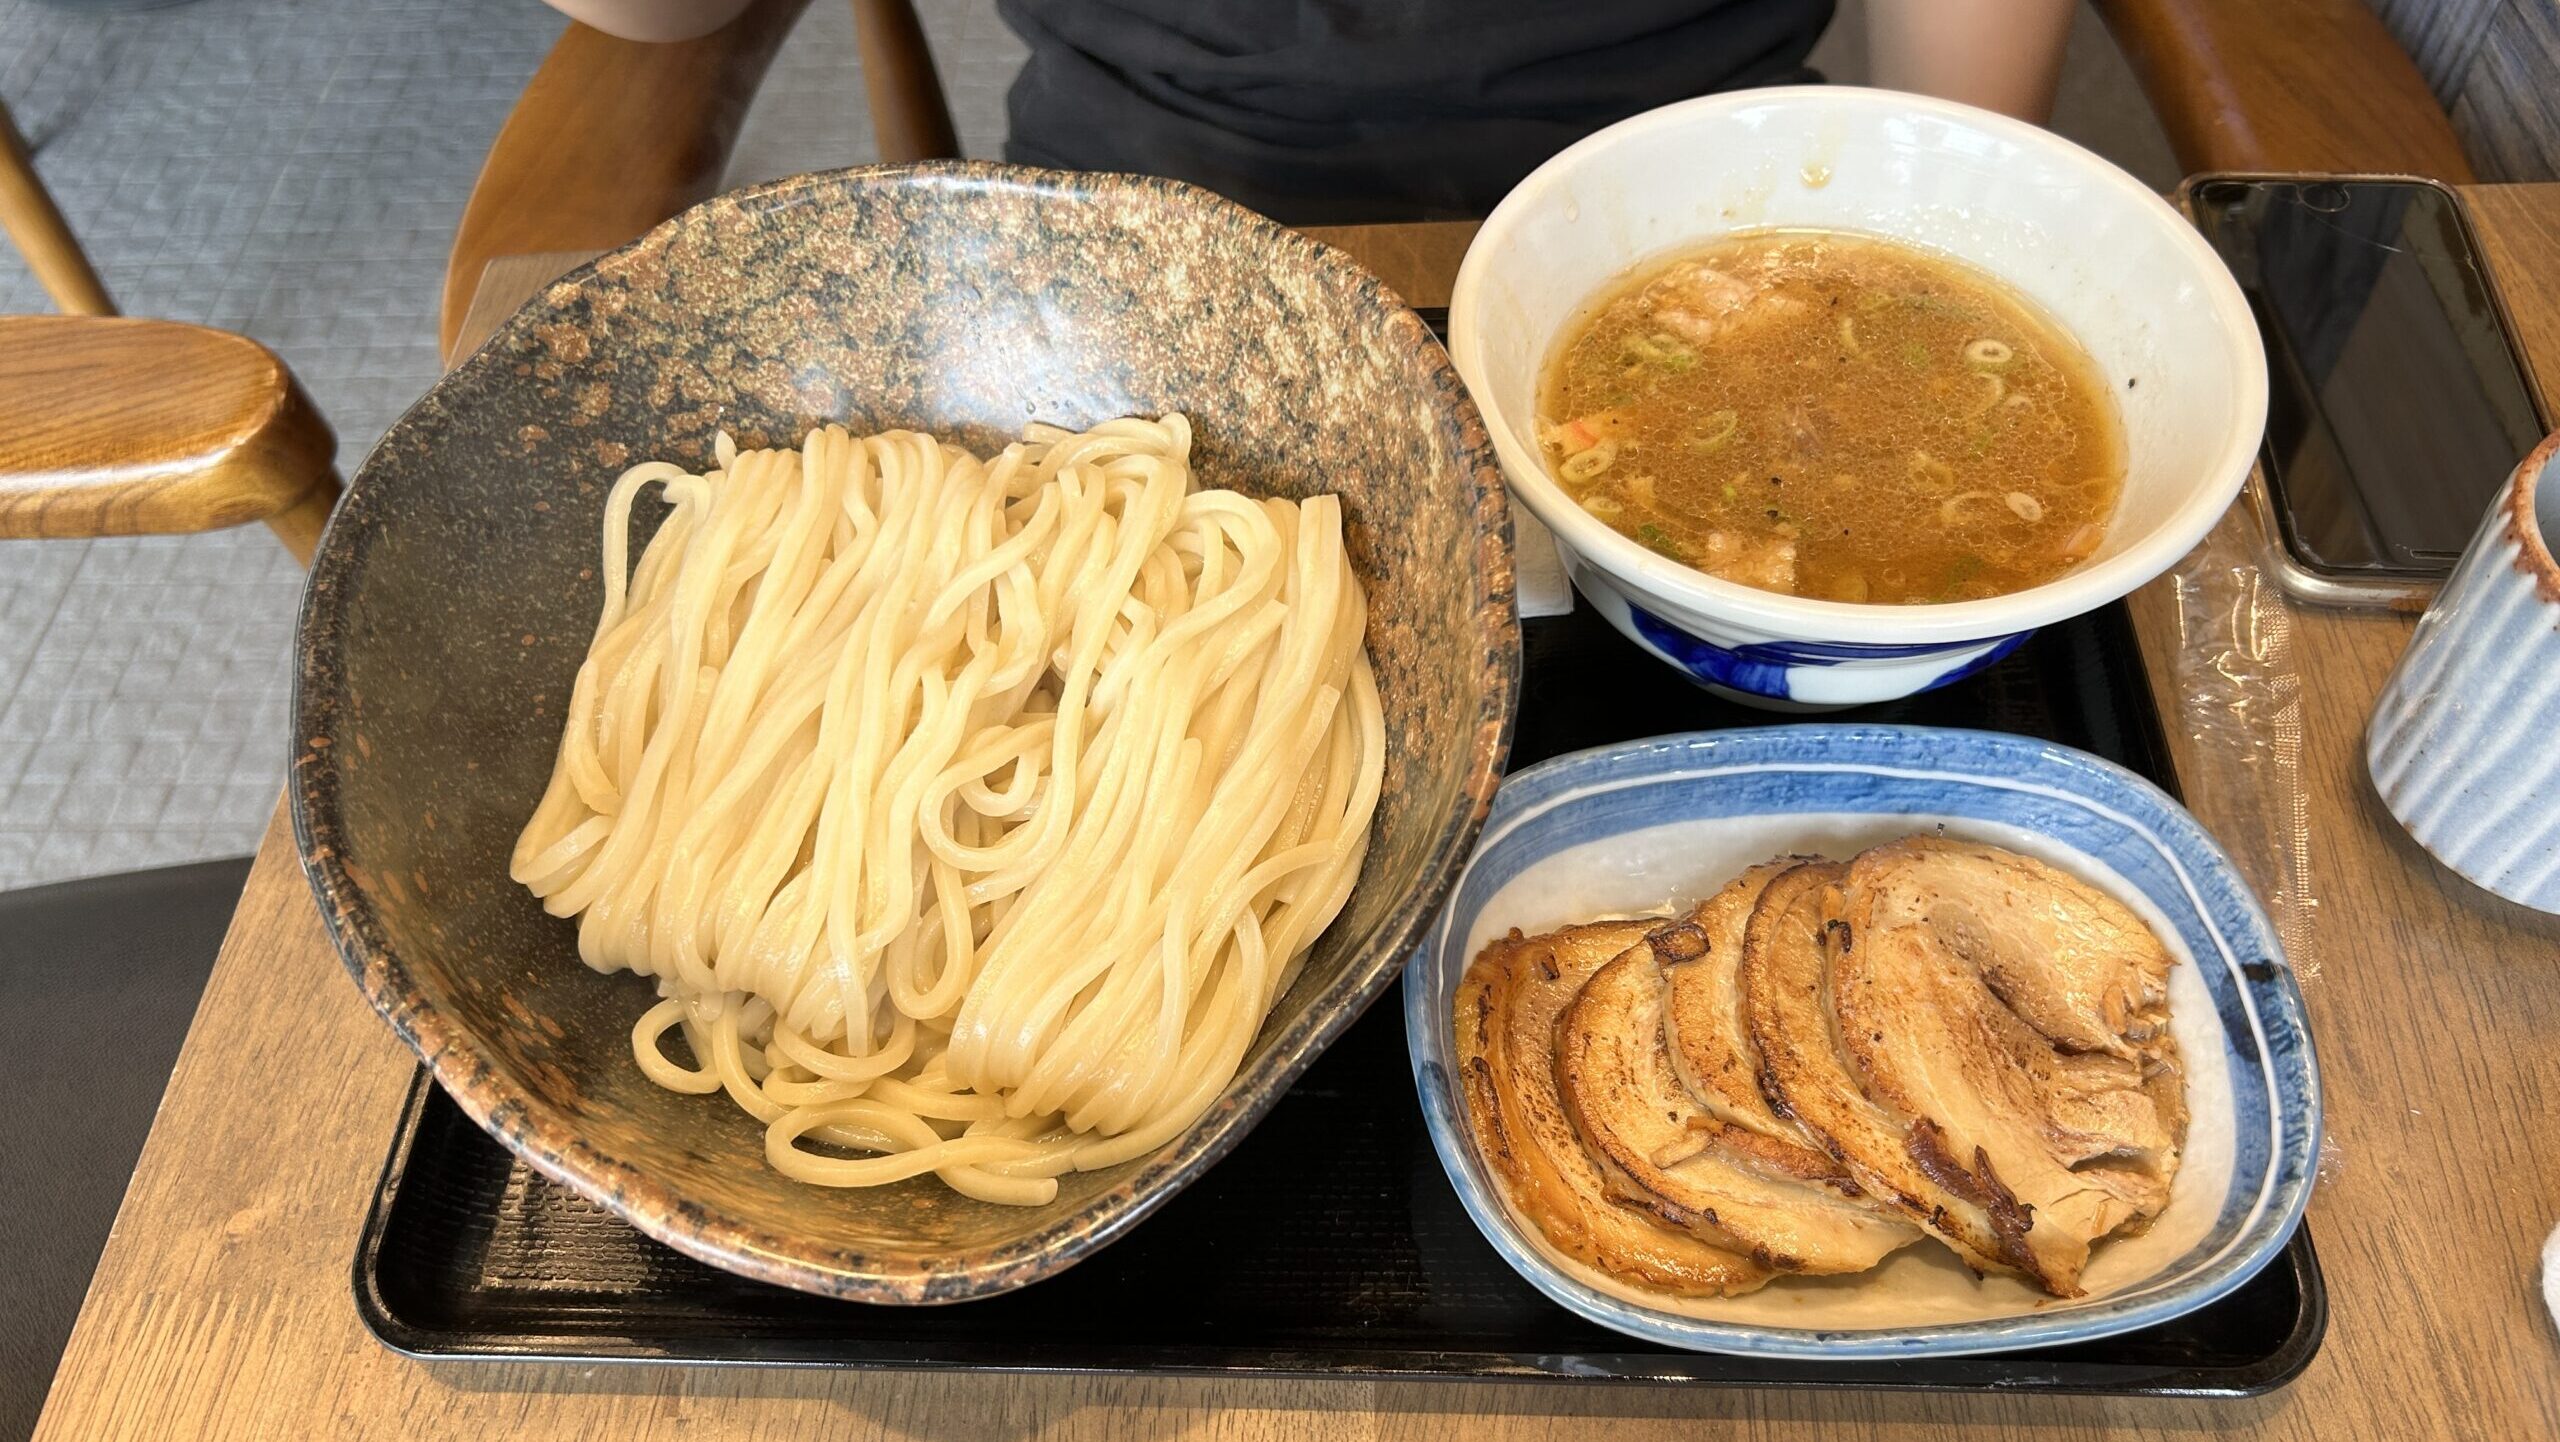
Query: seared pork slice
{"points": [[1707, 306], [1787, 1007], [1507, 1009], [2019, 1019], [2070, 960], [1657, 1149], [1768, 562], [1709, 1045]]}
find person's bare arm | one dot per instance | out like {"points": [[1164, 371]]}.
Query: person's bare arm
{"points": [[2003, 55], [655, 21]]}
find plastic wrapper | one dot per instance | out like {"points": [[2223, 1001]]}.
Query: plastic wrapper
{"points": [[2235, 706]]}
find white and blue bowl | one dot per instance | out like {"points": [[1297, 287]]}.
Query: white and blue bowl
{"points": [[1634, 828], [2096, 249]]}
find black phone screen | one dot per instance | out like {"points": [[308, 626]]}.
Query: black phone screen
{"points": [[2396, 405]]}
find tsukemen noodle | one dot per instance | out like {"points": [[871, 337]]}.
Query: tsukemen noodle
{"points": [[969, 814]]}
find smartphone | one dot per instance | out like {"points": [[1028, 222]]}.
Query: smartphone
{"points": [[2398, 400]]}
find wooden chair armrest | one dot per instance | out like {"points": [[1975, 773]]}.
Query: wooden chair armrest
{"points": [[609, 138], [2280, 85], [115, 427]]}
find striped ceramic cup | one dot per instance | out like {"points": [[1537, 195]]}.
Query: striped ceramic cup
{"points": [[2461, 746]]}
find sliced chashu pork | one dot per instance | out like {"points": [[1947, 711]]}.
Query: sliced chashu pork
{"points": [[2019, 1020], [1709, 306], [1659, 1150], [1508, 1006], [1786, 998], [1709, 1045]]}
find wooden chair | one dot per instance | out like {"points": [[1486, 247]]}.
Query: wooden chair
{"points": [[612, 136], [110, 426], [119, 427], [2286, 85], [116, 427], [28, 213]]}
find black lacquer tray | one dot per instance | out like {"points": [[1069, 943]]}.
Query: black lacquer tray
{"points": [[1329, 1243]]}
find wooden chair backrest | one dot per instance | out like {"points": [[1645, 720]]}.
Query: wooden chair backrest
{"points": [[2494, 65], [613, 136], [2285, 85]]}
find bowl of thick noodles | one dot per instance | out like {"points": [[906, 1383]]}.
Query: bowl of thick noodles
{"points": [[875, 730]]}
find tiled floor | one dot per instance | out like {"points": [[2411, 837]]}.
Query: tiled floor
{"points": [[293, 169]]}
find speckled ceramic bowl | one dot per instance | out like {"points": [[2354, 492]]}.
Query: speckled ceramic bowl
{"points": [[454, 594]]}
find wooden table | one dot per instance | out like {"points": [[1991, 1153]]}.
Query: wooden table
{"points": [[222, 1306]]}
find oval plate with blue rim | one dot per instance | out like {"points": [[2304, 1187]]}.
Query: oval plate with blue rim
{"points": [[1650, 825]]}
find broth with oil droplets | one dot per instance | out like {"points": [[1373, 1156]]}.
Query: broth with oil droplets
{"points": [[1834, 416]]}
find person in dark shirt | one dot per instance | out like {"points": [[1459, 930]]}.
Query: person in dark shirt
{"points": [[1318, 111], [1331, 111]]}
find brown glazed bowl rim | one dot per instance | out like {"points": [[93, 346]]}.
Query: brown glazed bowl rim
{"points": [[553, 1146], [2522, 503]]}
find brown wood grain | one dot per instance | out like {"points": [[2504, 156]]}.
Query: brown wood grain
{"points": [[610, 137], [507, 283], [2520, 229], [35, 224], [222, 1307], [909, 120], [113, 427], [2284, 85]]}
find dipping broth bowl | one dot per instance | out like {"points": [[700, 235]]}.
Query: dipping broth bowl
{"points": [[2103, 256]]}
